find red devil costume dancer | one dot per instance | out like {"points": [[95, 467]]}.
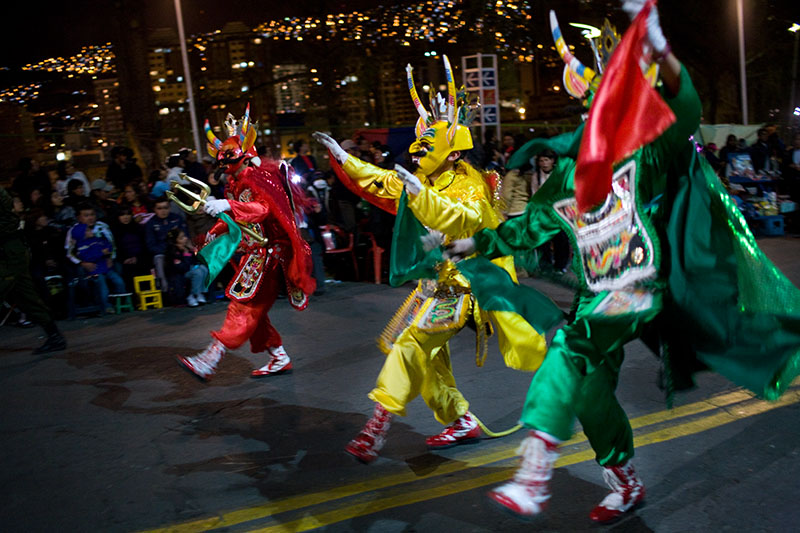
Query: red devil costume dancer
{"points": [[259, 198]]}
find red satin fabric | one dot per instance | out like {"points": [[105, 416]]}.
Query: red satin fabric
{"points": [[387, 204], [250, 320], [627, 113], [270, 206]]}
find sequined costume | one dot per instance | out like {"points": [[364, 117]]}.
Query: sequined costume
{"points": [[263, 230], [258, 198], [668, 258], [456, 202]]}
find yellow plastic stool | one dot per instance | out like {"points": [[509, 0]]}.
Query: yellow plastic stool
{"points": [[148, 295]]}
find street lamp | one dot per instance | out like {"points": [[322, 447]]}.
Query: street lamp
{"points": [[794, 29], [188, 76], [742, 75]]}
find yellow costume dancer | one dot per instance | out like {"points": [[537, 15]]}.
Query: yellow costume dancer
{"points": [[454, 200]]}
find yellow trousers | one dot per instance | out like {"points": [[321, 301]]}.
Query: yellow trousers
{"points": [[419, 364]]}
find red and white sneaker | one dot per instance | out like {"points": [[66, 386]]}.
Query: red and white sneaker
{"points": [[204, 364], [527, 494], [462, 431], [279, 363], [368, 443], [627, 493]]}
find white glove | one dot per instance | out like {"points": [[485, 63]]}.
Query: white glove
{"points": [[411, 182], [215, 207], [433, 239], [654, 33], [459, 249], [334, 148]]}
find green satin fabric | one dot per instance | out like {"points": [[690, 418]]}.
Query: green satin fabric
{"points": [[732, 306], [218, 252], [409, 261], [496, 291]]}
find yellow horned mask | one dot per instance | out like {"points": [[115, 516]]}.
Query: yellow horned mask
{"points": [[443, 130]]}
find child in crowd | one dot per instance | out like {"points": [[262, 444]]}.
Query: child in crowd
{"points": [[94, 252], [181, 265]]}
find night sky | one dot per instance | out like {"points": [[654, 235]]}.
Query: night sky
{"points": [[63, 27]]}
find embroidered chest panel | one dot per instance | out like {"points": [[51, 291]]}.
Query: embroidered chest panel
{"points": [[614, 246]]}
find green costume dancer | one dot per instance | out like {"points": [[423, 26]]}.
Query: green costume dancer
{"points": [[16, 284], [667, 247]]}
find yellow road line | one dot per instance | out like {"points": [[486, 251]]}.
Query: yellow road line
{"points": [[354, 511], [475, 459]]}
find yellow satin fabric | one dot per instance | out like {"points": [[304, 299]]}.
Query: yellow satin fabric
{"points": [[419, 364], [457, 203]]}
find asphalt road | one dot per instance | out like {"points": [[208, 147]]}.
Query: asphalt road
{"points": [[112, 435]]}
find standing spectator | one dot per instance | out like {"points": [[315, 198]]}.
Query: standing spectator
{"points": [[95, 254], [31, 176], [731, 147], [16, 284], [182, 265], [760, 152], [47, 255], [303, 163], [191, 166], [517, 189], [555, 253], [155, 233], [105, 208], [66, 171], [132, 253], [710, 153], [492, 158], [364, 149], [123, 168], [791, 179], [508, 147]]}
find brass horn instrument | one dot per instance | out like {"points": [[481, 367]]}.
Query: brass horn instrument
{"points": [[199, 200]]}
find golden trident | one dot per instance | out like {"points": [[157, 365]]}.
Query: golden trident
{"points": [[199, 200]]}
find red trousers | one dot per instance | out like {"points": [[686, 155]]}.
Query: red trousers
{"points": [[249, 320]]}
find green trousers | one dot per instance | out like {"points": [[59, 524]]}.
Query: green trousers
{"points": [[16, 284], [579, 375]]}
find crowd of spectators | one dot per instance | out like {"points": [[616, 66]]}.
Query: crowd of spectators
{"points": [[98, 235], [767, 158]]}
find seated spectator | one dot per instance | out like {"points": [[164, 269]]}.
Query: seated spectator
{"points": [[39, 199], [181, 264], [137, 203], [99, 197], [132, 253], [156, 231], [95, 254], [18, 207], [61, 216], [66, 171], [87, 215], [75, 194]]}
